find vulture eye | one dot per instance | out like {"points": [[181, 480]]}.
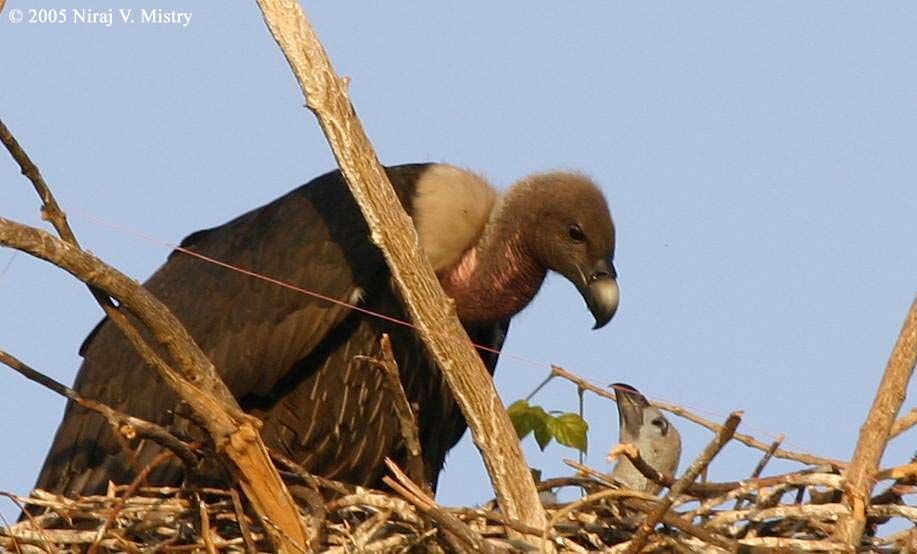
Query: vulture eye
{"points": [[662, 424], [576, 233]]}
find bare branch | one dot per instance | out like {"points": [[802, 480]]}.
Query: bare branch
{"points": [[416, 496], [392, 230], [875, 431], [747, 440], [904, 423], [403, 411], [122, 424], [234, 433]]}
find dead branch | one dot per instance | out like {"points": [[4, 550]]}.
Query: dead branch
{"points": [[747, 440], [403, 411], [129, 492], [234, 433], [722, 437], [121, 424], [875, 431], [416, 496], [631, 452], [392, 231], [904, 423], [157, 518]]}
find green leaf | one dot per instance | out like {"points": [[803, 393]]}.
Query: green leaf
{"points": [[543, 430], [569, 430], [521, 415], [527, 419]]}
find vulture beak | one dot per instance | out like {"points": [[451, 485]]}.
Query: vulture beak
{"points": [[600, 291], [630, 408]]}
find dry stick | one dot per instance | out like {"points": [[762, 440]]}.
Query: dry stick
{"points": [[684, 525], [392, 230], [308, 479], [761, 463], [632, 453], [416, 496], [899, 473], [123, 424], [404, 413], [725, 433], [131, 489], [645, 502], [243, 525], [234, 433], [205, 527], [584, 501], [51, 212], [31, 520], [747, 440], [875, 431], [904, 423], [698, 490]]}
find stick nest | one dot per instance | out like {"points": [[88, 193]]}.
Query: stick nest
{"points": [[795, 511]]}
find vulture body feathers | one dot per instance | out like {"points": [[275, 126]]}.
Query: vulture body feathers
{"points": [[292, 359]]}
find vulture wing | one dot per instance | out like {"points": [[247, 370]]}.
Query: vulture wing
{"points": [[287, 356]]}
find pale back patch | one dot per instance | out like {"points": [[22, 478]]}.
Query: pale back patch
{"points": [[451, 208]]}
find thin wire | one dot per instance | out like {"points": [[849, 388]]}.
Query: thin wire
{"points": [[287, 285], [129, 231], [9, 263]]}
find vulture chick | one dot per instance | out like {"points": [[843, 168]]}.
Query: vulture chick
{"points": [[294, 360], [657, 440]]}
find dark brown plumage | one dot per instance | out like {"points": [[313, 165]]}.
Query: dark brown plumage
{"points": [[289, 358]]}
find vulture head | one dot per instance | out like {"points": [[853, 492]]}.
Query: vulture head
{"points": [[546, 222], [574, 236]]}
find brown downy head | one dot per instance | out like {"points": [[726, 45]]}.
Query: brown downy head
{"points": [[570, 231]]}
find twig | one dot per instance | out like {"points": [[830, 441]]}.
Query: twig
{"points": [[747, 440], [586, 500], [632, 453], [416, 496], [761, 463], [131, 489], [244, 530], [406, 419], [684, 524], [205, 527], [875, 431], [315, 481], [391, 229], [30, 518], [906, 472], [122, 424], [645, 502], [722, 437], [904, 423]]}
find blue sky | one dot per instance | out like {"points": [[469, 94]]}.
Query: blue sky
{"points": [[758, 160]]}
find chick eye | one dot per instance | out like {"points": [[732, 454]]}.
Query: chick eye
{"points": [[662, 424], [576, 233]]}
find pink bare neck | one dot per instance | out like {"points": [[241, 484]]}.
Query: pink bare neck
{"points": [[493, 281]]}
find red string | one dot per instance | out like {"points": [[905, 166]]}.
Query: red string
{"points": [[315, 294], [286, 285]]}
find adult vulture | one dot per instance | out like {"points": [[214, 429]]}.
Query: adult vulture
{"points": [[292, 359]]}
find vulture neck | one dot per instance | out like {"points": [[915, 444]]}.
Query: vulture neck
{"points": [[499, 275]]}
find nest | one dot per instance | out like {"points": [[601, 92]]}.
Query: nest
{"points": [[795, 511]]}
